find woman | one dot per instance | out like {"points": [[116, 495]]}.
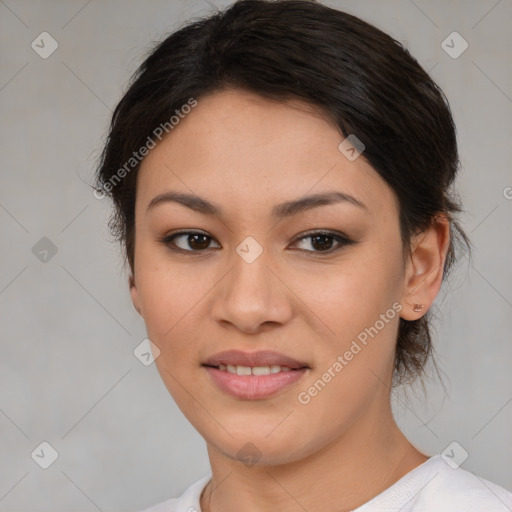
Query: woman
{"points": [[281, 173]]}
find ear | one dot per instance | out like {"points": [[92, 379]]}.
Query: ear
{"points": [[424, 268], [134, 294]]}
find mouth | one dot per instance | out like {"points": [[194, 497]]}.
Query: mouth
{"points": [[254, 375], [254, 370], [262, 360]]}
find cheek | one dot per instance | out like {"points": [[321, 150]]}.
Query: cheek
{"points": [[174, 299], [352, 295], [169, 297], [355, 363], [359, 303]]}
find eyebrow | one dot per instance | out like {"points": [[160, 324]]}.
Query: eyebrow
{"points": [[286, 209]]}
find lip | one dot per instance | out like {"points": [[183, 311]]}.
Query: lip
{"points": [[253, 387], [260, 358]]}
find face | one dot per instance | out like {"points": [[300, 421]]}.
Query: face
{"points": [[319, 282]]}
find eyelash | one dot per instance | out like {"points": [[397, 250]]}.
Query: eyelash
{"points": [[338, 237]]}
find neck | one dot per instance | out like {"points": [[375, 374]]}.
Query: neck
{"points": [[343, 475]]}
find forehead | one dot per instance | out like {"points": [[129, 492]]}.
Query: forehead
{"points": [[241, 148]]}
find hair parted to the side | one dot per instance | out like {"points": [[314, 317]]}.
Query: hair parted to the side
{"points": [[364, 80]]}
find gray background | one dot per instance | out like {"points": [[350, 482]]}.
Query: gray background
{"points": [[68, 374]]}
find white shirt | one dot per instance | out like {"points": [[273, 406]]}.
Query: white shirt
{"points": [[433, 486]]}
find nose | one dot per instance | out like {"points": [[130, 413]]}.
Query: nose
{"points": [[252, 297]]}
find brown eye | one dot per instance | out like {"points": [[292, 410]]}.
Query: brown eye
{"points": [[189, 241], [324, 241]]}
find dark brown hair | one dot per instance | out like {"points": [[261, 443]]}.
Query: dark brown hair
{"points": [[363, 79]]}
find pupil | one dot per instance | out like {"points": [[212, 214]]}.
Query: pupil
{"points": [[322, 245], [194, 240]]}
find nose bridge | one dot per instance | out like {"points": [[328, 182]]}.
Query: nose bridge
{"points": [[251, 280], [251, 294]]}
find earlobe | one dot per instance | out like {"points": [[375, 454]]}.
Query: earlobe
{"points": [[134, 294], [425, 268]]}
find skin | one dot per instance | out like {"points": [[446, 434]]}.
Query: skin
{"points": [[247, 154]]}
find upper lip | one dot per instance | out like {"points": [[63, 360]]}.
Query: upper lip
{"points": [[260, 358]]}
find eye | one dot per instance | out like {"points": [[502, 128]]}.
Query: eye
{"points": [[196, 240], [323, 241]]}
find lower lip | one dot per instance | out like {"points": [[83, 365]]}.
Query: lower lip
{"points": [[253, 387]]}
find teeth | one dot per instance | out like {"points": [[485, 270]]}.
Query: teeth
{"points": [[243, 370], [256, 370], [261, 370]]}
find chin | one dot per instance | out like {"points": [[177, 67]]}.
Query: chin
{"points": [[254, 444]]}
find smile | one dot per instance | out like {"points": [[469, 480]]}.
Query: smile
{"points": [[254, 370]]}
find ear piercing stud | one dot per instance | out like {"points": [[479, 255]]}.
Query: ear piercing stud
{"points": [[418, 307]]}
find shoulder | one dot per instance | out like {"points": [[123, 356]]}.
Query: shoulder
{"points": [[187, 502], [435, 486], [455, 489]]}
